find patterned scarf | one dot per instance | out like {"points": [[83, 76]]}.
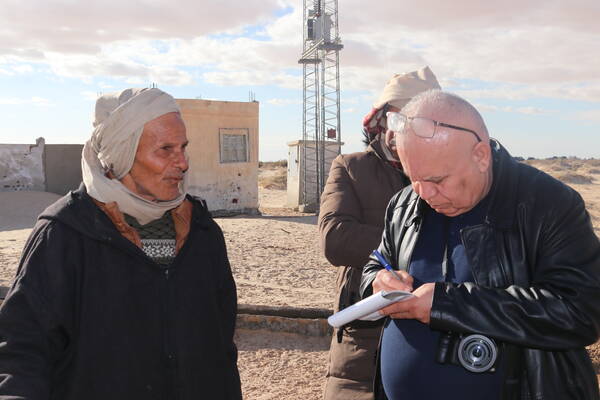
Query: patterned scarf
{"points": [[374, 127]]}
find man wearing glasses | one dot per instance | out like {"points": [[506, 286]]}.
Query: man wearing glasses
{"points": [[502, 261]]}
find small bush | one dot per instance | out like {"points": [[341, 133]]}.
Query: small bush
{"points": [[574, 178], [272, 164], [277, 182]]}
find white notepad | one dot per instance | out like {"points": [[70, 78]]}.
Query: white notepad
{"points": [[368, 309]]}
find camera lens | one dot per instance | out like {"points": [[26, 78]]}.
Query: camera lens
{"points": [[477, 353]]}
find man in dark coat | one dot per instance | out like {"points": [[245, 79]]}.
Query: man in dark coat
{"points": [[502, 261], [358, 188], [124, 289]]}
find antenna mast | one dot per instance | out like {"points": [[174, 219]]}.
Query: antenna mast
{"points": [[321, 134]]}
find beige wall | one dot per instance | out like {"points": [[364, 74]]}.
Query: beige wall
{"points": [[228, 187]]}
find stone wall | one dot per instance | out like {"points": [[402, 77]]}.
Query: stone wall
{"points": [[22, 167]]}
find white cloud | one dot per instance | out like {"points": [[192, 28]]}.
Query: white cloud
{"points": [[283, 102], [23, 68], [36, 101], [533, 111], [510, 109], [548, 48], [548, 43], [16, 69], [86, 40], [582, 91], [86, 67], [83, 27], [90, 96], [588, 115], [252, 78]]}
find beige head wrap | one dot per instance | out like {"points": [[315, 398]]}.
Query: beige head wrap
{"points": [[402, 87], [119, 123]]}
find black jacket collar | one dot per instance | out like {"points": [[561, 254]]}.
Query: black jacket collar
{"points": [[503, 193]]}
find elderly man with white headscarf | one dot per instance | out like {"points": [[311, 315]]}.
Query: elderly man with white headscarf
{"points": [[351, 217], [124, 289]]}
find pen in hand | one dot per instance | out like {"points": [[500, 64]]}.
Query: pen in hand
{"points": [[385, 264]]}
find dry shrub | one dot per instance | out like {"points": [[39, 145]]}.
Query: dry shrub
{"points": [[574, 178], [277, 182], [273, 175], [272, 164], [563, 163], [593, 162], [594, 171]]}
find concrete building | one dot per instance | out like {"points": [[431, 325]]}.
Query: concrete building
{"points": [[223, 153], [296, 181]]}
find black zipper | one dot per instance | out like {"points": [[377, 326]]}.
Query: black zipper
{"points": [[172, 393], [417, 223]]}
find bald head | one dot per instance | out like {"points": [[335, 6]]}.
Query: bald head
{"points": [[449, 108], [445, 152]]}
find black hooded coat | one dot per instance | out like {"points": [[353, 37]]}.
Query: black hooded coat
{"points": [[90, 316]]}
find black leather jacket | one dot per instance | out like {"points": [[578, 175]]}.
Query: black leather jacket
{"points": [[536, 264]]}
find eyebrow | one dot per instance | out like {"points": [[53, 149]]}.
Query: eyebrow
{"points": [[435, 179], [163, 144]]}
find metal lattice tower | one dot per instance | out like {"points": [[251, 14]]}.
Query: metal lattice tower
{"points": [[321, 134]]}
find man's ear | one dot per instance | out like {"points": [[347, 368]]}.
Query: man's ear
{"points": [[482, 155]]}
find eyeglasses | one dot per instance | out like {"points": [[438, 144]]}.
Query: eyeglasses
{"points": [[421, 126]]}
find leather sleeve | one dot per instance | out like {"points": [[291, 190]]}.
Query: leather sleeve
{"points": [[560, 308], [345, 240]]}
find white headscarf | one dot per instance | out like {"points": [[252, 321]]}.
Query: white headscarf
{"points": [[402, 87], [119, 123]]}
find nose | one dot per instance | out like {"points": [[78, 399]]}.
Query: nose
{"points": [[426, 190], [181, 160], [390, 139]]}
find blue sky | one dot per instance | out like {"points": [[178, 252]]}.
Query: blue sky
{"points": [[532, 68]]}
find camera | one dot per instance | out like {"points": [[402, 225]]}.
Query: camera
{"points": [[475, 353]]}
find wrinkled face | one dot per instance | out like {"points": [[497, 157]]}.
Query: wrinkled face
{"points": [[452, 175], [160, 160]]}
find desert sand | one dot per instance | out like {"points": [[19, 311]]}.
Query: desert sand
{"points": [[276, 261]]}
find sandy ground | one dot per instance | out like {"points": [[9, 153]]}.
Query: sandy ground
{"points": [[276, 260]]}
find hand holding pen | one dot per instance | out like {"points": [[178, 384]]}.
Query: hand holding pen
{"points": [[406, 279], [385, 264]]}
